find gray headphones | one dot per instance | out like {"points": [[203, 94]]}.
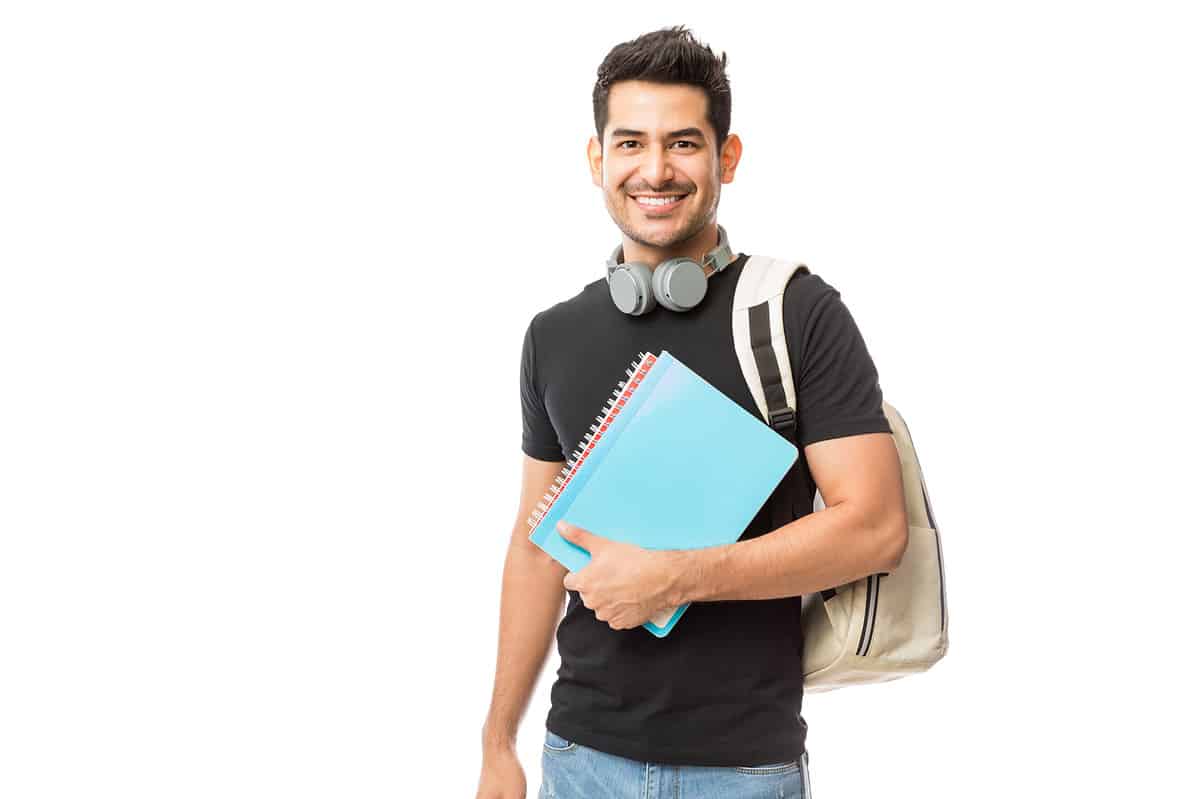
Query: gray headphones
{"points": [[677, 283]]}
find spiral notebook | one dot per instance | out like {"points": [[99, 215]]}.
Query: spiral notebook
{"points": [[671, 463]]}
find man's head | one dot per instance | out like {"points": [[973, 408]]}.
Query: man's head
{"points": [[662, 106]]}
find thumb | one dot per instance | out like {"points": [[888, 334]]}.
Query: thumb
{"points": [[575, 534]]}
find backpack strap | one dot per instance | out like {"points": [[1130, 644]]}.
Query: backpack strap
{"points": [[761, 346], [758, 338]]}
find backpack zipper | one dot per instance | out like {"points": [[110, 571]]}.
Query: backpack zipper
{"points": [[868, 628]]}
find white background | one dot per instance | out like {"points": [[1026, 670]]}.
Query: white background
{"points": [[265, 271]]}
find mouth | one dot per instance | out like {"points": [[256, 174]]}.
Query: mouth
{"points": [[658, 205]]}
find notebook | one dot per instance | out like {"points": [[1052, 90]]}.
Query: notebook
{"points": [[671, 463]]}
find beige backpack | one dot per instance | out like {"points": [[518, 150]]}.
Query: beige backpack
{"points": [[883, 626]]}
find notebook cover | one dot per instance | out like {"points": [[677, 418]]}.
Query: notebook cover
{"points": [[672, 464]]}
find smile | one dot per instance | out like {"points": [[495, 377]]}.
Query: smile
{"points": [[660, 204]]}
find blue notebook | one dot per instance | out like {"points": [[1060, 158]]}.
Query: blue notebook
{"points": [[671, 463]]}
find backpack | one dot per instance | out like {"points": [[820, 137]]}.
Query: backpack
{"points": [[883, 626]]}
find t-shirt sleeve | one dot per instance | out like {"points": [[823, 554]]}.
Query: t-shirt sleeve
{"points": [[538, 439], [837, 385]]}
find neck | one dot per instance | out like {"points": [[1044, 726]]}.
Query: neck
{"points": [[695, 248]]}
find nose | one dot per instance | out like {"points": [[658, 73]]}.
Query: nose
{"points": [[656, 166]]}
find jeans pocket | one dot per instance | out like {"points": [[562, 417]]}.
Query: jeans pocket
{"points": [[556, 743]]}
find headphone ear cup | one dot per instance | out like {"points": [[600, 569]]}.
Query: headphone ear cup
{"points": [[630, 288], [679, 284]]}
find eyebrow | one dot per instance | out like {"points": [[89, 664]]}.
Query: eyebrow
{"points": [[675, 134]]}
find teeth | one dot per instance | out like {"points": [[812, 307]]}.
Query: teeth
{"points": [[657, 200]]}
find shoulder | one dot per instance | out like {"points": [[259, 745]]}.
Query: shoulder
{"points": [[806, 297], [815, 317], [567, 314], [807, 290]]}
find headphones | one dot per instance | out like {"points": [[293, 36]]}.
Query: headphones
{"points": [[677, 283]]}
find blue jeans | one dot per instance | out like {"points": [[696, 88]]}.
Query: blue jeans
{"points": [[573, 771]]}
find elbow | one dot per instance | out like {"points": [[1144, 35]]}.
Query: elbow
{"points": [[895, 543]]}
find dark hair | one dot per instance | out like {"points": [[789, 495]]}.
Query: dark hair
{"points": [[669, 55]]}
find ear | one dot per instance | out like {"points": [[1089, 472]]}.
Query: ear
{"points": [[731, 154], [595, 156]]}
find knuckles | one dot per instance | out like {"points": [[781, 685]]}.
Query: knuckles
{"points": [[602, 613]]}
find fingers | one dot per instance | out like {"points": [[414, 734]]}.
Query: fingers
{"points": [[607, 614]]}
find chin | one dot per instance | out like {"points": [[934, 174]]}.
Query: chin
{"points": [[656, 237]]}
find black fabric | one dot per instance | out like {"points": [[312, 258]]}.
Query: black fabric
{"points": [[725, 687], [767, 362]]}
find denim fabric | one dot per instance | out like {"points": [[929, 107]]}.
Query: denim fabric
{"points": [[573, 771]]}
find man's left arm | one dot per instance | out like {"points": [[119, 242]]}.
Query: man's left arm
{"points": [[862, 530]]}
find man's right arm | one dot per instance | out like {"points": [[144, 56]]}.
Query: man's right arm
{"points": [[531, 602]]}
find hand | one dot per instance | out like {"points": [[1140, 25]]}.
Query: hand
{"points": [[501, 776], [624, 584]]}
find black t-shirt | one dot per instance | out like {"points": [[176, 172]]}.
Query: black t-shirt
{"points": [[725, 687]]}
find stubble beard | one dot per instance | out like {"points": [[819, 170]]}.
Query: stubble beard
{"points": [[695, 224]]}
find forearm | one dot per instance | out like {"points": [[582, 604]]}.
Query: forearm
{"points": [[531, 601], [827, 548]]}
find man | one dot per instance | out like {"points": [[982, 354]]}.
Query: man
{"points": [[713, 709]]}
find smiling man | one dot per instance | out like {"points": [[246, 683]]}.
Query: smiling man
{"points": [[713, 709], [662, 186]]}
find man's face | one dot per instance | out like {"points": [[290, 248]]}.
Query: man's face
{"points": [[658, 142]]}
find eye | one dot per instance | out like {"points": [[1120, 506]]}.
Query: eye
{"points": [[627, 141], [691, 145]]}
